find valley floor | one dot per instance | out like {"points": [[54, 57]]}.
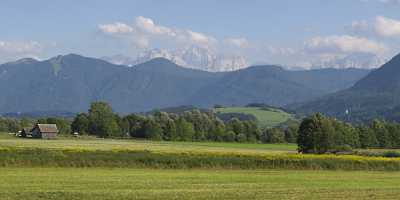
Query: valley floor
{"points": [[106, 183], [105, 169], [91, 143]]}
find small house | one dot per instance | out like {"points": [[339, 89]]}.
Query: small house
{"points": [[45, 131]]}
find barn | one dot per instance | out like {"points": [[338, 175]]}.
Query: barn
{"points": [[45, 131]]}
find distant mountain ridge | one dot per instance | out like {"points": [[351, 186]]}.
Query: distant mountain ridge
{"points": [[191, 57], [374, 96], [70, 83], [353, 60], [275, 86]]}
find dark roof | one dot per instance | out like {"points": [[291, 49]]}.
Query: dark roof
{"points": [[48, 128]]}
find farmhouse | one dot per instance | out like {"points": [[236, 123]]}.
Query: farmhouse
{"points": [[44, 131]]}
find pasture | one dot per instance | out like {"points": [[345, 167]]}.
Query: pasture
{"points": [[105, 169], [91, 152], [265, 117], [107, 183], [91, 143]]}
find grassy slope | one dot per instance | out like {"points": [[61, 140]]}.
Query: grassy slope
{"points": [[101, 184], [265, 118]]}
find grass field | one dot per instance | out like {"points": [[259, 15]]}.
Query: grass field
{"points": [[103, 183], [265, 118], [91, 152], [145, 145], [106, 169]]}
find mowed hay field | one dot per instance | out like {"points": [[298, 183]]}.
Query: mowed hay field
{"points": [[145, 145], [129, 153], [89, 168], [265, 118], [104, 183]]}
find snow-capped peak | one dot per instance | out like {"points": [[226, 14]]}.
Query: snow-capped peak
{"points": [[355, 60], [191, 57]]}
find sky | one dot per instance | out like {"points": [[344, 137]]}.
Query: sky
{"points": [[299, 33]]}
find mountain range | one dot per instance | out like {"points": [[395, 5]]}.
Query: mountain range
{"points": [[205, 59], [353, 60], [191, 57], [71, 82], [377, 95]]}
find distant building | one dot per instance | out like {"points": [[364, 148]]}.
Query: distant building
{"points": [[45, 131]]}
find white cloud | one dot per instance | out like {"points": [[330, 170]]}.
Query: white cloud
{"points": [[381, 26], [148, 25], [286, 51], [359, 27], [116, 28], [199, 37], [19, 47], [238, 42], [387, 27], [145, 31], [342, 51], [344, 44], [392, 2], [11, 50]]}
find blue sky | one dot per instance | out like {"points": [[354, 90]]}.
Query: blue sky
{"points": [[287, 32]]}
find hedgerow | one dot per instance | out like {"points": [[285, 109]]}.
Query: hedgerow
{"points": [[35, 157]]}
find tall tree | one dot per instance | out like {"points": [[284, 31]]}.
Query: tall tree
{"points": [[185, 130], [316, 135], [367, 137], [133, 125], [81, 124], [152, 130], [382, 134], [102, 120]]}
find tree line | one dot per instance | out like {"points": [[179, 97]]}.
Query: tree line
{"points": [[315, 134], [321, 134], [193, 125]]}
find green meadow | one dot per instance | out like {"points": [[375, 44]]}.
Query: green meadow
{"points": [[91, 143], [108, 183], [265, 118], [128, 153], [91, 168]]}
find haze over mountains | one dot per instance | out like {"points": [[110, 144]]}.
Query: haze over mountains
{"points": [[201, 58], [354, 60], [72, 82], [375, 96], [191, 57]]}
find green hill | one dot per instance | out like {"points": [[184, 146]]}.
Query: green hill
{"points": [[375, 96], [266, 117], [70, 83], [274, 86]]}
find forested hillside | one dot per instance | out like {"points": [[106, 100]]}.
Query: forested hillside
{"points": [[70, 83], [375, 96]]}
